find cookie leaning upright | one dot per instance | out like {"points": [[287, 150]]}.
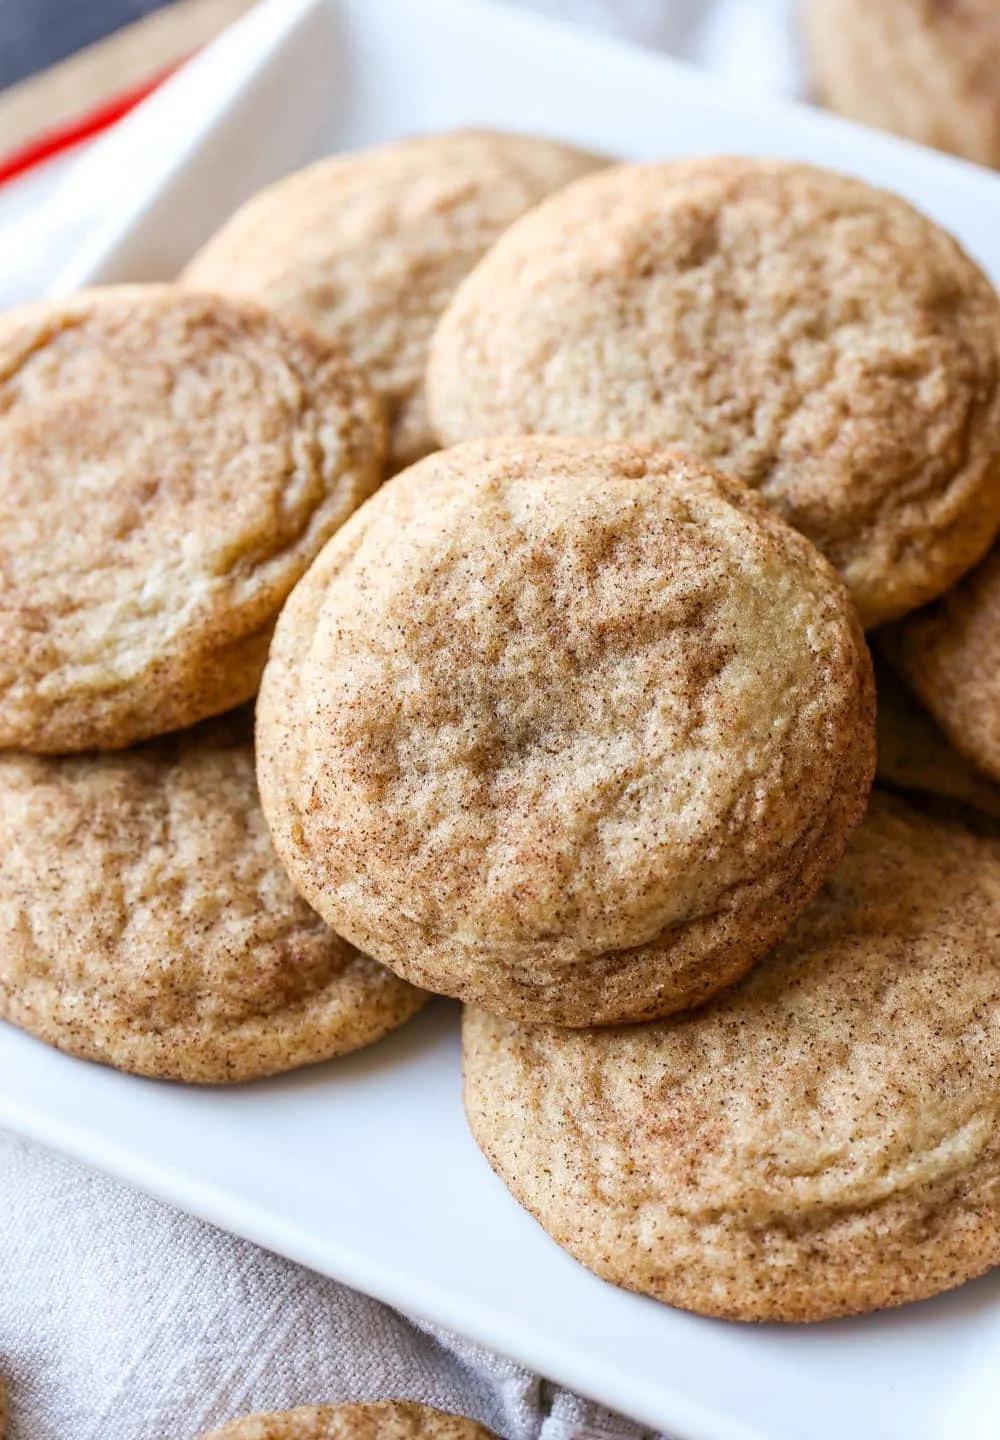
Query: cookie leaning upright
{"points": [[368, 249], [569, 729], [929, 71], [822, 1140], [170, 463], [815, 337], [375, 1420], [146, 922]]}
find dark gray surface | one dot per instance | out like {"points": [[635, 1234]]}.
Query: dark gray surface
{"points": [[36, 33]]}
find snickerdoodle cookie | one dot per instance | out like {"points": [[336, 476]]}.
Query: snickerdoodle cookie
{"points": [[927, 69], [569, 729], [950, 656], [915, 756], [170, 463], [814, 337], [369, 248], [379, 1420], [146, 922], [823, 1139]]}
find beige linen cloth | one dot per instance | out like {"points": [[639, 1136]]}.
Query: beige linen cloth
{"points": [[121, 1319]]}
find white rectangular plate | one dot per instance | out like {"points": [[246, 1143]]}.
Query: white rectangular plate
{"points": [[363, 1168]]}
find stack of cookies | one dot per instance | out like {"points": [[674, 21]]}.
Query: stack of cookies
{"points": [[572, 719], [170, 464]]}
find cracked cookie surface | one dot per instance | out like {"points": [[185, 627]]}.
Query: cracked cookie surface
{"points": [[169, 465], [822, 1140], [368, 249], [815, 337], [569, 729], [379, 1420], [146, 922]]}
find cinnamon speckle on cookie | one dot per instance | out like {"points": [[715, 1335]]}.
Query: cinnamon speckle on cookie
{"points": [[170, 463], [146, 922], [569, 729], [800, 330], [821, 1140]]}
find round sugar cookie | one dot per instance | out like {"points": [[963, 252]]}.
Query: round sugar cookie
{"points": [[170, 463], [800, 330], [146, 922], [822, 1140], [378, 1420], [926, 69], [572, 730], [369, 248]]}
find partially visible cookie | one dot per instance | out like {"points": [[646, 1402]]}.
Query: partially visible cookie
{"points": [[569, 729], [915, 756], [949, 654], [170, 463], [927, 69], [822, 1140], [369, 248], [815, 337], [379, 1420], [146, 922]]}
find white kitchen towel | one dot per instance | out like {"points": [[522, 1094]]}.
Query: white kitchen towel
{"points": [[123, 1320]]}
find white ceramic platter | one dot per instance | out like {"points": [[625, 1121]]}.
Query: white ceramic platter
{"points": [[363, 1168]]}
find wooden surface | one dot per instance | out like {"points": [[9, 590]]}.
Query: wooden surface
{"points": [[121, 61]]}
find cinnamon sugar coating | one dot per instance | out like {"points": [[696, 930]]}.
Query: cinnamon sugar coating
{"points": [[821, 1140], [569, 729]]}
